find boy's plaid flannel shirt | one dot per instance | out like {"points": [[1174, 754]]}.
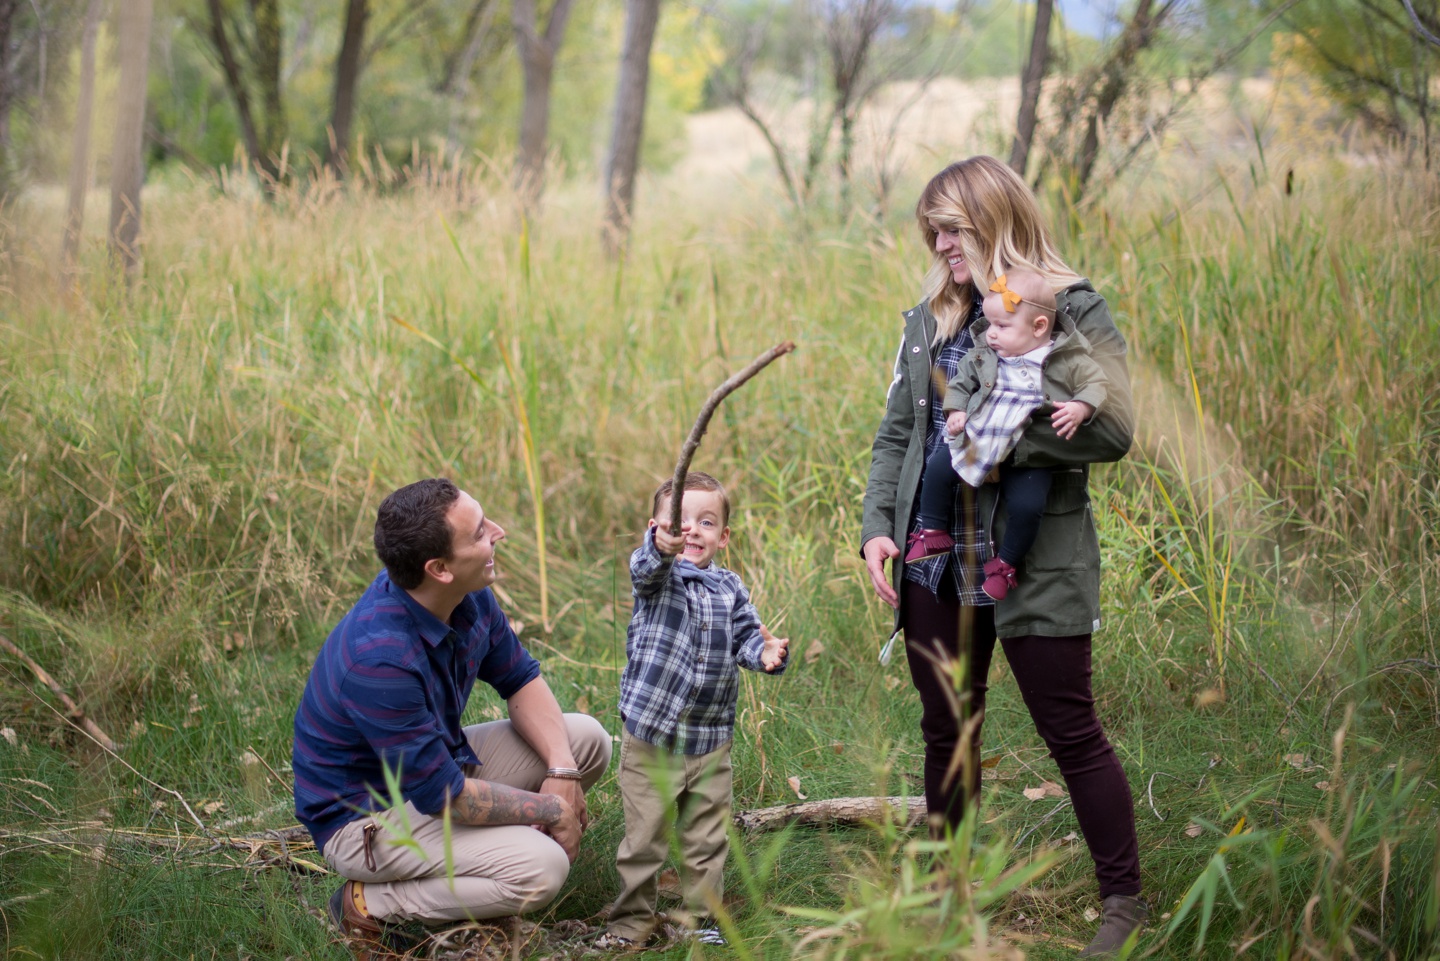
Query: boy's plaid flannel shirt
{"points": [[690, 630]]}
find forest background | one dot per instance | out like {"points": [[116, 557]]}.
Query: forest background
{"points": [[206, 394]]}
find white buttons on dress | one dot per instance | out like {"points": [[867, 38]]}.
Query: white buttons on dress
{"points": [[922, 403], [914, 350]]}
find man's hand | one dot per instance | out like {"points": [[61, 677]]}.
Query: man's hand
{"points": [[773, 654], [489, 803], [877, 551], [955, 424], [566, 828], [569, 791], [666, 542], [1069, 416], [536, 717]]}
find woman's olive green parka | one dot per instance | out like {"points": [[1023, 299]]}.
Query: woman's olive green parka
{"points": [[1059, 581]]}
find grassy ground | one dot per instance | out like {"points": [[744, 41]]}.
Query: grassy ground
{"points": [[190, 473]]}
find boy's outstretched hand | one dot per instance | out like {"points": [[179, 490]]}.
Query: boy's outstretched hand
{"points": [[775, 651], [666, 542]]}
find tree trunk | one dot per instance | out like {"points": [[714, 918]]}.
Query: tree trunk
{"points": [[641, 18], [537, 61], [80, 150], [8, 10], [457, 59], [455, 84], [850, 32], [235, 82], [127, 165], [268, 63], [1030, 87], [347, 74], [1115, 79]]}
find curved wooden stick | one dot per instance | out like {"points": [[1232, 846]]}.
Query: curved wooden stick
{"points": [[692, 443], [76, 715]]}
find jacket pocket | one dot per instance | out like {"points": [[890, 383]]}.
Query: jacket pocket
{"points": [[1066, 540]]}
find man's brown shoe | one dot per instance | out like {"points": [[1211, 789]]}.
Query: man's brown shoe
{"points": [[364, 936]]}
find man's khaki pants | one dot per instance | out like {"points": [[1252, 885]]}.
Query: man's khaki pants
{"points": [[499, 871], [685, 797]]}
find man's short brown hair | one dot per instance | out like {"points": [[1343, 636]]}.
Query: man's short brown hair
{"points": [[411, 528]]}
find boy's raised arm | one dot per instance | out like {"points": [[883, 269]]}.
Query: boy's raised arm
{"points": [[649, 568]]}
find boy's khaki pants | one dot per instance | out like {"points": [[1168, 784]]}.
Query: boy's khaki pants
{"points": [[499, 871], [667, 795]]}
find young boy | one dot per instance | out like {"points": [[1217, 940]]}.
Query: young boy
{"points": [[692, 626], [1022, 364]]}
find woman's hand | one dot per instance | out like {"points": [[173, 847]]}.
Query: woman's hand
{"points": [[877, 551]]}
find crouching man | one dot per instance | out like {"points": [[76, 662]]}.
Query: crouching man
{"points": [[387, 691]]}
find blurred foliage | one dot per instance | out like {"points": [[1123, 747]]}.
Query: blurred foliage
{"points": [[1367, 55], [1363, 54]]}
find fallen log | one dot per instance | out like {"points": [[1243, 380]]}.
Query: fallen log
{"points": [[845, 811]]}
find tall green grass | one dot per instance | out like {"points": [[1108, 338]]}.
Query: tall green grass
{"points": [[190, 470]]}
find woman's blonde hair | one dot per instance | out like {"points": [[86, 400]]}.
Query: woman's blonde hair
{"points": [[1000, 228]]}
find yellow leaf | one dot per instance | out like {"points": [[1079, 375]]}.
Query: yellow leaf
{"points": [[309, 865], [1194, 830], [1299, 762], [991, 761], [1208, 697], [1046, 789], [1239, 828], [794, 783], [1323, 785]]}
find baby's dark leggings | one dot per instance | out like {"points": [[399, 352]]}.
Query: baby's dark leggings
{"points": [[1023, 490]]}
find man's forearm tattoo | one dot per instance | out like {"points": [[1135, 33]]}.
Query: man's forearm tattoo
{"points": [[485, 802]]}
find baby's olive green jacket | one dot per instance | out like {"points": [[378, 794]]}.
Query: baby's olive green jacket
{"points": [[1059, 581]]}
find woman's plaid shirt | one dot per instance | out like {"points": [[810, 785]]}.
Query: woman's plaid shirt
{"points": [[690, 631], [972, 550]]}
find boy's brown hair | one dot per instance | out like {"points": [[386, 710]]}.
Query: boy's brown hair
{"points": [[695, 480]]}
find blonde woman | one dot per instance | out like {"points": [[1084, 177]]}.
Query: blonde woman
{"points": [[978, 219]]}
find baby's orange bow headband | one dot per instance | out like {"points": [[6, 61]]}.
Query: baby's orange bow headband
{"points": [[1008, 296]]}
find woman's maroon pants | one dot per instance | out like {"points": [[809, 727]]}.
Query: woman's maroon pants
{"points": [[1054, 678]]}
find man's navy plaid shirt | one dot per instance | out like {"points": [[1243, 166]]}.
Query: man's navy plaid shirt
{"points": [[388, 688], [690, 630]]}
